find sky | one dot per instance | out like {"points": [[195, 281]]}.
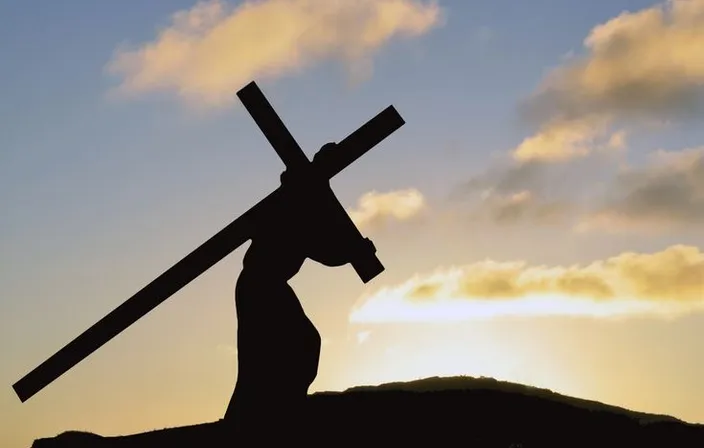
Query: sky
{"points": [[539, 215]]}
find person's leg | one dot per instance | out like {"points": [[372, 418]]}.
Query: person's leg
{"points": [[274, 414], [275, 368]]}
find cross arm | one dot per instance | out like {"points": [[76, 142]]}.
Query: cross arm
{"points": [[361, 141]]}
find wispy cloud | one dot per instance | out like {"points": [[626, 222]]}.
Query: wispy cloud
{"points": [[521, 206], [514, 192], [211, 50], [662, 283]]}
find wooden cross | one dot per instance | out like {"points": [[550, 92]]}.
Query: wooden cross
{"points": [[227, 240]]}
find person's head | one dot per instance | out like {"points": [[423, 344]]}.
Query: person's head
{"points": [[275, 258], [325, 154]]}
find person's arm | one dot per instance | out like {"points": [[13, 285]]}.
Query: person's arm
{"points": [[328, 256], [334, 253]]}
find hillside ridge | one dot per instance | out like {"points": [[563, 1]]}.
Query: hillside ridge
{"points": [[483, 411]]}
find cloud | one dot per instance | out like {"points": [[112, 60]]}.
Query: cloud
{"points": [[667, 192], [561, 140], [561, 152], [522, 185], [376, 209], [520, 207], [511, 194], [513, 191], [210, 51], [662, 283], [644, 64]]}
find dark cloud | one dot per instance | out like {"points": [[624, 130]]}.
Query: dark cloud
{"points": [[666, 193]]}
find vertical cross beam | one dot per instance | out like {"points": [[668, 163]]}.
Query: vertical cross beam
{"points": [[272, 127]]}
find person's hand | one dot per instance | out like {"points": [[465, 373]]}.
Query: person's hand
{"points": [[370, 245], [300, 179], [286, 177], [324, 154]]}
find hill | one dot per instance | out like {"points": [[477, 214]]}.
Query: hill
{"points": [[474, 412]]}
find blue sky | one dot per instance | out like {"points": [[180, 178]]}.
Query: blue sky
{"points": [[102, 192], [61, 135]]}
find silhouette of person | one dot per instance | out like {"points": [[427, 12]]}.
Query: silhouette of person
{"points": [[278, 347]]}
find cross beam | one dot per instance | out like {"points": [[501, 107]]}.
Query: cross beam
{"points": [[219, 245], [367, 265]]}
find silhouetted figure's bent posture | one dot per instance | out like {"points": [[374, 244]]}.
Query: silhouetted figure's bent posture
{"points": [[278, 347]]}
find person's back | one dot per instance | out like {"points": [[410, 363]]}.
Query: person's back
{"points": [[278, 347], [275, 339]]}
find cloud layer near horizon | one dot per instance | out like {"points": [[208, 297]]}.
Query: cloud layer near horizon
{"points": [[662, 283], [210, 51]]}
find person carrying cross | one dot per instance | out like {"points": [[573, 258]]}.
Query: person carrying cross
{"points": [[278, 347]]}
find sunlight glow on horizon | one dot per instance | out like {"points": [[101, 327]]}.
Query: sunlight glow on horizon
{"points": [[392, 306], [666, 283]]}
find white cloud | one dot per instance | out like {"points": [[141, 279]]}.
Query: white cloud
{"points": [[374, 209]]}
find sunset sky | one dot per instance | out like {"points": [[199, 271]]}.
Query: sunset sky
{"points": [[540, 215]]}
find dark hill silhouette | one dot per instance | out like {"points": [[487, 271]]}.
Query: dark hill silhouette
{"points": [[456, 411]]}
